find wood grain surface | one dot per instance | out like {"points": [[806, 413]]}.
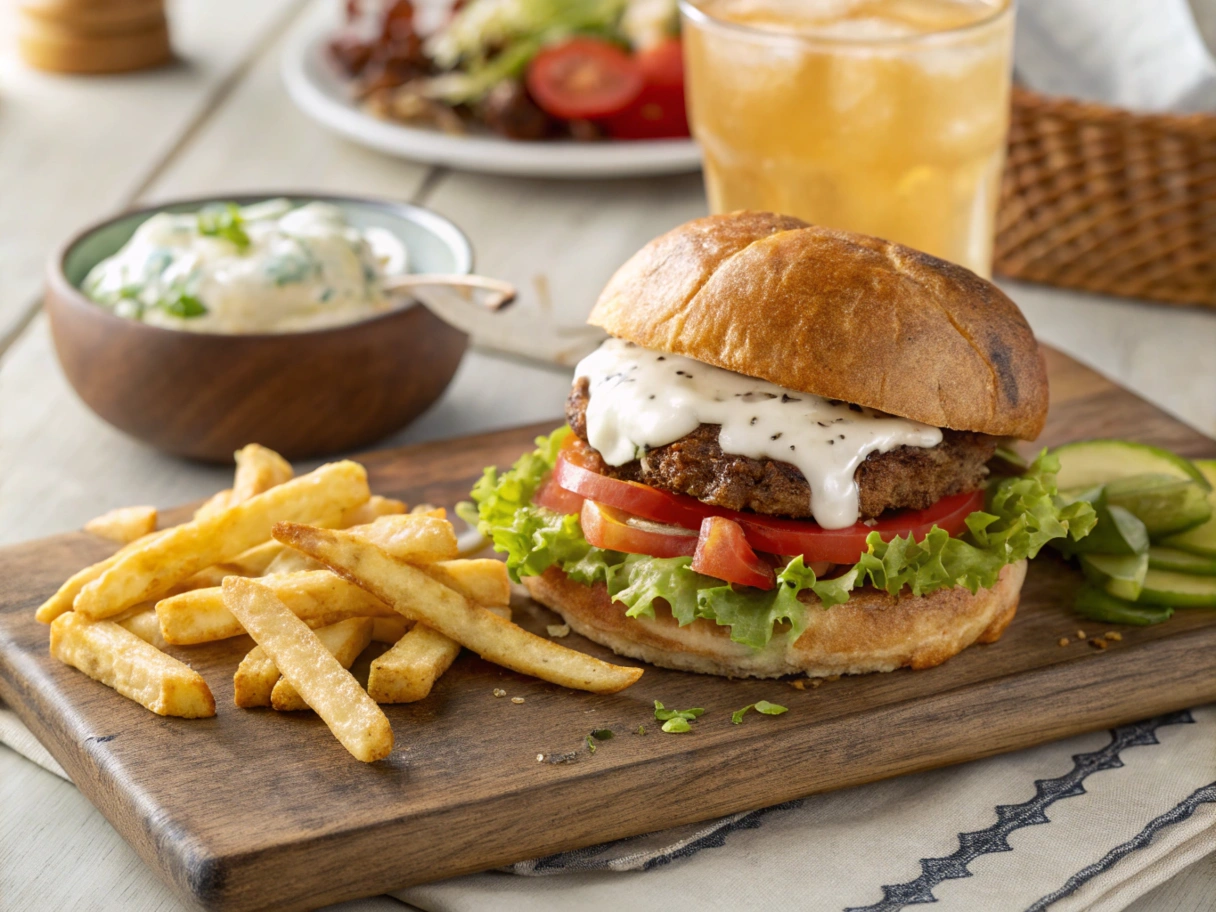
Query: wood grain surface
{"points": [[254, 810]]}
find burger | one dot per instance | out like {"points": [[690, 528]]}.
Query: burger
{"points": [[784, 460]]}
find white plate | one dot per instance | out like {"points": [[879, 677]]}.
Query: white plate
{"points": [[314, 84]]}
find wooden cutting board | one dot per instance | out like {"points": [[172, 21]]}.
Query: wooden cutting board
{"points": [[258, 810]]}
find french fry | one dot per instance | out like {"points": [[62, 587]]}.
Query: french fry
{"points": [[258, 469], [314, 596], [344, 640], [408, 671], [124, 525], [413, 537], [417, 596], [289, 560], [216, 503], [332, 691], [390, 630], [483, 582], [369, 512], [66, 594], [254, 680], [274, 557], [142, 621], [184, 550], [139, 671]]}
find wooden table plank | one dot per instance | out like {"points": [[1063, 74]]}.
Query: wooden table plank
{"points": [[257, 141], [76, 148]]}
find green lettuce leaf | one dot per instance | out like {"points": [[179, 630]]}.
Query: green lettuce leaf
{"points": [[1022, 514]]}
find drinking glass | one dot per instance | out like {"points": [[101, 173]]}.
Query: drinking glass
{"points": [[886, 117]]}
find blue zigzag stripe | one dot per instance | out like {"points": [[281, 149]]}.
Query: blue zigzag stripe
{"points": [[1176, 814], [1011, 817]]}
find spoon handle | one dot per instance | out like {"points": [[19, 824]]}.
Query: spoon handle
{"points": [[501, 292]]}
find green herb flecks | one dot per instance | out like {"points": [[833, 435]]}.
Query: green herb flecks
{"points": [[599, 734], [224, 222], [183, 305], [760, 706], [675, 720]]}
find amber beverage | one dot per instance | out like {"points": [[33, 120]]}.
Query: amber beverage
{"points": [[886, 117]]}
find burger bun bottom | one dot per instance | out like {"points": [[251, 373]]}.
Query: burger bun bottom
{"points": [[872, 631]]}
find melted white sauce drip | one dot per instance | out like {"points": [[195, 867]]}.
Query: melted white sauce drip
{"points": [[641, 399]]}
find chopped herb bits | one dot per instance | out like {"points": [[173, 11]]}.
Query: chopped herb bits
{"points": [[675, 720], [760, 706]]}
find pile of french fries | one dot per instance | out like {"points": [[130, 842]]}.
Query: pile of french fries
{"points": [[314, 568]]}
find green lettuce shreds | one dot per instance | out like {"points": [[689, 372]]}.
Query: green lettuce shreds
{"points": [[1021, 515]]}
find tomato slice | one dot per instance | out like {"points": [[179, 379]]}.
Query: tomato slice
{"points": [[763, 533], [607, 528], [553, 496], [658, 112], [583, 79], [723, 552]]}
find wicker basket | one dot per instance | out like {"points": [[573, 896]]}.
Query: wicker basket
{"points": [[1104, 200]]}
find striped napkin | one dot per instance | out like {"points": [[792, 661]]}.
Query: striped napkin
{"points": [[1088, 823]]}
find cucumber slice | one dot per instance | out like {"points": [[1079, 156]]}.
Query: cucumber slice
{"points": [[1098, 605], [1180, 590], [1095, 462], [1201, 539], [1116, 532], [1162, 558], [1119, 575], [1166, 505]]}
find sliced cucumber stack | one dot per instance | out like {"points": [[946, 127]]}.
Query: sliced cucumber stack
{"points": [[1096, 462], [1141, 495], [1120, 575], [1201, 539], [1163, 558], [1100, 606], [1116, 532], [1165, 504], [1178, 590]]}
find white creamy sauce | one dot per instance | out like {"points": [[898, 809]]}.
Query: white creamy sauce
{"points": [[268, 267], [641, 399]]}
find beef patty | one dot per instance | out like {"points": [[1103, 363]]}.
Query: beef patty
{"points": [[904, 478]]}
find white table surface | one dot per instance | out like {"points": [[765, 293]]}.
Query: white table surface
{"points": [[73, 150]]}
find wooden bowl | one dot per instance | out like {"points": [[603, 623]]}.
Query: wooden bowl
{"points": [[203, 395]]}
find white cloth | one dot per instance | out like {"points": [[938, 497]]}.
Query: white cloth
{"points": [[1088, 823], [1145, 55]]}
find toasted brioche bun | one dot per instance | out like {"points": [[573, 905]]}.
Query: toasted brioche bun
{"points": [[872, 631], [835, 314]]}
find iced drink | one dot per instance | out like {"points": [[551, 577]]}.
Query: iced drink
{"points": [[881, 116]]}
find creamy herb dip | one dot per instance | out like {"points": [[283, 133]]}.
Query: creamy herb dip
{"points": [[640, 399], [269, 267]]}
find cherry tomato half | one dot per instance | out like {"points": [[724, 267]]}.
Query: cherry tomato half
{"points": [[584, 79], [658, 112]]}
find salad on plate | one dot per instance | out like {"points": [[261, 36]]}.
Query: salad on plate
{"points": [[533, 70]]}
